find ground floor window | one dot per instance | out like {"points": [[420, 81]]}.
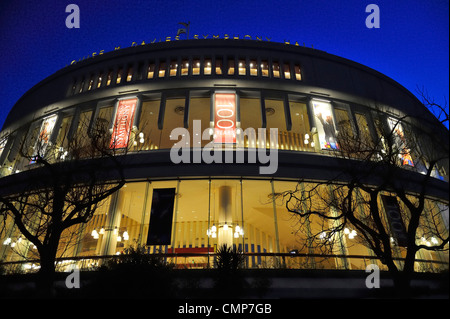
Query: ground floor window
{"points": [[188, 220]]}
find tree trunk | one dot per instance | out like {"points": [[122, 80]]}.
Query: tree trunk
{"points": [[46, 276], [402, 285]]}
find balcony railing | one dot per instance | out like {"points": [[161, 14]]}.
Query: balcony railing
{"points": [[206, 260]]}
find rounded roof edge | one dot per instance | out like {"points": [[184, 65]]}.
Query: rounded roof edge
{"points": [[19, 106]]}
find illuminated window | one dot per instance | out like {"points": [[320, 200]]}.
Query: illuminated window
{"points": [[343, 123], [162, 69], [119, 76], [108, 80], [276, 69], [199, 109], [219, 65], [185, 67], [74, 86], [173, 68], [346, 140], [242, 67], [207, 67], [81, 135], [151, 71], [173, 117], [99, 80], [196, 67], [129, 74], [276, 118], [62, 138], [288, 233], [149, 136], [250, 111], [264, 68], [253, 68], [300, 137], [103, 120], [363, 125], [365, 136], [298, 75], [91, 82], [81, 86], [287, 71], [230, 66]]}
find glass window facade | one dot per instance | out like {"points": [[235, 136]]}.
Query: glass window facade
{"points": [[287, 71], [196, 67], [250, 121], [149, 134], [250, 215], [363, 129], [300, 136], [298, 75], [265, 68], [199, 111], [207, 67], [83, 125], [185, 67], [343, 122], [314, 126], [242, 67], [99, 80], [245, 66], [62, 138], [119, 76], [276, 69], [230, 66], [208, 211], [109, 78], [162, 70], [151, 71], [173, 118], [253, 68], [276, 118], [91, 83], [129, 74], [173, 68], [219, 65]]}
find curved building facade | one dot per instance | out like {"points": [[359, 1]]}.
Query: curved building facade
{"points": [[167, 102]]}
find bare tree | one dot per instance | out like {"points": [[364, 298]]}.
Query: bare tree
{"points": [[440, 110], [380, 196], [68, 183]]}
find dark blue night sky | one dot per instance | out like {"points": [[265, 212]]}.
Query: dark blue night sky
{"points": [[412, 45]]}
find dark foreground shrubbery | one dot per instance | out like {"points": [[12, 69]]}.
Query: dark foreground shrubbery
{"points": [[138, 275], [133, 274]]}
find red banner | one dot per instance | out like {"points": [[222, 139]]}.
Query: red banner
{"points": [[225, 118], [123, 123]]}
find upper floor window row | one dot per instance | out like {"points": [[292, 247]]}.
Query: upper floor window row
{"points": [[186, 67]]}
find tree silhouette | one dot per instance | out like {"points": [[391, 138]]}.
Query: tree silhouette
{"points": [[381, 197], [69, 181]]}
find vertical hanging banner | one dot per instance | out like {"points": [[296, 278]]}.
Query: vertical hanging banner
{"points": [[395, 220], [400, 141], [225, 118], [161, 215], [43, 139], [325, 125], [123, 123]]}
